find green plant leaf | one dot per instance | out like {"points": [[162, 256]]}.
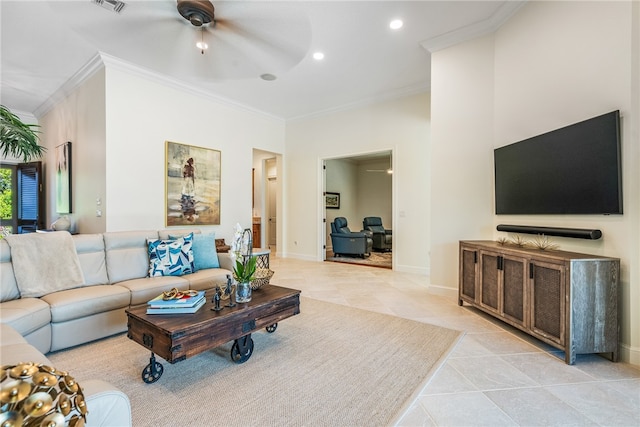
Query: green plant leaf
{"points": [[18, 139], [245, 270]]}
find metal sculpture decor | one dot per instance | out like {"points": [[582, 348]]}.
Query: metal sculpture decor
{"points": [[229, 291], [216, 299], [39, 395]]}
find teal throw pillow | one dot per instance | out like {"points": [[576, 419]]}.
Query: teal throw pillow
{"points": [[170, 257], [204, 251]]}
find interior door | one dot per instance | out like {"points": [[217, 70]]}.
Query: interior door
{"points": [[271, 211]]}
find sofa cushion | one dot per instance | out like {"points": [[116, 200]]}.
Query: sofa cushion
{"points": [[25, 315], [203, 280], [77, 303], [14, 354], [9, 335], [126, 254], [8, 286], [147, 288], [90, 249], [170, 257], [15, 349], [44, 262]]}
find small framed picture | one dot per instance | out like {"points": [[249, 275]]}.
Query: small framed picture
{"points": [[331, 200]]}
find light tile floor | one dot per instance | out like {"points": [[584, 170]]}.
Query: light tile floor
{"points": [[495, 375]]}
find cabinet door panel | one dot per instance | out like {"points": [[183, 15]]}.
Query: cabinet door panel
{"points": [[469, 259], [547, 300], [513, 288], [489, 288]]}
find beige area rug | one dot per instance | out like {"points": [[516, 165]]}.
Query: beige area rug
{"points": [[330, 365], [376, 259]]}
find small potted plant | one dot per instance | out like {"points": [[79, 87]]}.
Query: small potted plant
{"points": [[243, 272]]}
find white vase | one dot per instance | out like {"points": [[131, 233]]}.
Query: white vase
{"points": [[62, 224]]}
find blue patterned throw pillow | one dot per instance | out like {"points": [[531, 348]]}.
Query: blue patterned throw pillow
{"points": [[170, 257]]}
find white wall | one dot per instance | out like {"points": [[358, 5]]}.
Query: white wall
{"points": [[552, 64], [375, 193], [401, 125], [461, 153], [79, 118], [141, 115]]}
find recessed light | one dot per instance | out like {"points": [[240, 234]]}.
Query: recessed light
{"points": [[396, 24], [318, 56], [268, 77]]}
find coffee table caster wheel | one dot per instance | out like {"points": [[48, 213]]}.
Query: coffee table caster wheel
{"points": [[272, 328], [153, 371], [242, 349]]}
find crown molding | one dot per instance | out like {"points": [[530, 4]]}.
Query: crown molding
{"points": [[469, 32], [85, 72], [388, 96], [111, 62], [104, 60], [25, 116]]}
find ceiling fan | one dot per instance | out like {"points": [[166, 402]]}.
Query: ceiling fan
{"points": [[244, 39], [198, 12]]}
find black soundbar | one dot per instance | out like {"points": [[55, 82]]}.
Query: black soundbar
{"points": [[578, 233]]}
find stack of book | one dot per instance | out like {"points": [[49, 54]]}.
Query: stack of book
{"points": [[183, 305]]}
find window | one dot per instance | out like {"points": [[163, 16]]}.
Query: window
{"points": [[21, 197]]}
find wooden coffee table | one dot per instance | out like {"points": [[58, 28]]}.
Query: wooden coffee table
{"points": [[175, 337]]}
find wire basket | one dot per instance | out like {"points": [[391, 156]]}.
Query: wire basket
{"points": [[261, 278]]}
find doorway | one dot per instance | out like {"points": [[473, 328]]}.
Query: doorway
{"points": [[267, 202], [272, 212], [364, 184]]}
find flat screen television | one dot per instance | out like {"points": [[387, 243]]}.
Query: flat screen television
{"points": [[572, 170]]}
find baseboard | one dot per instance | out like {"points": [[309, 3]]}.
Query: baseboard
{"points": [[443, 291], [301, 257], [411, 269], [630, 354]]}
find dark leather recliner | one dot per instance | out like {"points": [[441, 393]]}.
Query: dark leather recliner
{"points": [[347, 242], [381, 236]]}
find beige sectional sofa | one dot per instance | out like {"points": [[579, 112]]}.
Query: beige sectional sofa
{"points": [[114, 266]]}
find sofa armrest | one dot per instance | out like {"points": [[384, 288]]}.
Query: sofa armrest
{"points": [[107, 405], [224, 259]]}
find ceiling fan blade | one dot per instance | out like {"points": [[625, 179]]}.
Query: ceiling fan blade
{"points": [[247, 40], [275, 35]]}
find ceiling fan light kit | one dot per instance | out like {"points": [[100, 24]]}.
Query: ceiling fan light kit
{"points": [[198, 12]]}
